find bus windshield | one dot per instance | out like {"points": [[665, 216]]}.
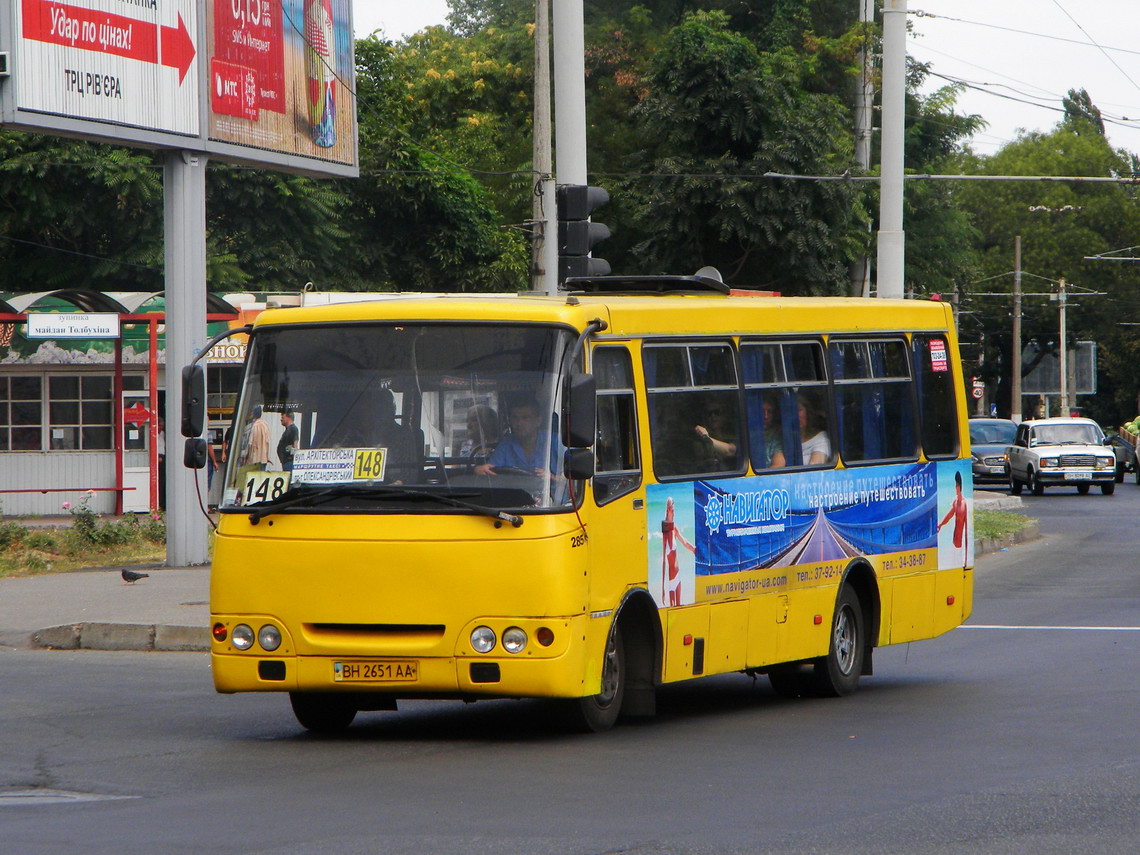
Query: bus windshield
{"points": [[406, 417]]}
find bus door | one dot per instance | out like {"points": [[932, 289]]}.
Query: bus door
{"points": [[617, 528]]}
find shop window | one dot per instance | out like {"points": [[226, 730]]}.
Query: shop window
{"points": [[21, 413], [80, 412]]}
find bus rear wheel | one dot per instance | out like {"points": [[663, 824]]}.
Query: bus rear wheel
{"points": [[837, 673], [322, 713], [600, 712]]}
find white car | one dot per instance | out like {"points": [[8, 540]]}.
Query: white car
{"points": [[1061, 452]]}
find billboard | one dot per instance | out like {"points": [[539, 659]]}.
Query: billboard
{"points": [[254, 81], [281, 76], [109, 62]]}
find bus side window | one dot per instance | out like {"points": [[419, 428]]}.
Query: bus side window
{"points": [[937, 405], [786, 395], [694, 409], [874, 403], [617, 468]]}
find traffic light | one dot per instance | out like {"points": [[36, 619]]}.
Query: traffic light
{"points": [[576, 234]]}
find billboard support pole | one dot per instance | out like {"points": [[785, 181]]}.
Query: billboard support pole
{"points": [[184, 214]]}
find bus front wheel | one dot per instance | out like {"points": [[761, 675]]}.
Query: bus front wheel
{"points": [[322, 713], [600, 712], [837, 673]]}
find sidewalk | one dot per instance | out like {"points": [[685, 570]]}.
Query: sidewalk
{"points": [[97, 610]]}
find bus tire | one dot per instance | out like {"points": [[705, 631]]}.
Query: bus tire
{"points": [[600, 712], [837, 673], [322, 713]]}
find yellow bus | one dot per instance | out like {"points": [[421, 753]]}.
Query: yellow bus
{"points": [[586, 496]]}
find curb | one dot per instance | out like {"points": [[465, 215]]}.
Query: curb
{"points": [[989, 545], [122, 636]]}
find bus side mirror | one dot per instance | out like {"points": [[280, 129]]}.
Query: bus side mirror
{"points": [[579, 411], [194, 455], [578, 464], [193, 401]]}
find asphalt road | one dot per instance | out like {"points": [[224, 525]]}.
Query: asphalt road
{"points": [[1015, 734]]}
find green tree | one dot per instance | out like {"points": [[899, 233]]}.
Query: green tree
{"points": [[720, 114], [1062, 223], [112, 241], [941, 242], [419, 218]]}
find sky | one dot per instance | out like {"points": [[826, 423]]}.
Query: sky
{"points": [[1021, 55]]}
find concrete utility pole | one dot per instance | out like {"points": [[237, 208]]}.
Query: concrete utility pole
{"points": [[184, 213], [891, 237], [860, 272], [1062, 299], [544, 252], [1015, 356], [570, 91]]}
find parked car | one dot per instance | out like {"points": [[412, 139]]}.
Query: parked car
{"points": [[1125, 457], [989, 439], [1070, 452]]}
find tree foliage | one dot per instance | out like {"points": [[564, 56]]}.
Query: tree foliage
{"points": [[720, 113], [1061, 223]]}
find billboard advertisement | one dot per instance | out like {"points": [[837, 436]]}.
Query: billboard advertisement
{"points": [[720, 539], [254, 81], [281, 74], [120, 63]]}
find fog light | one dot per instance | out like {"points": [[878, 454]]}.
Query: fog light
{"points": [[242, 637], [269, 637], [545, 636], [220, 632], [514, 640], [483, 639]]}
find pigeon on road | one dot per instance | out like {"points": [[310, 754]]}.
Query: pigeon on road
{"points": [[133, 575]]}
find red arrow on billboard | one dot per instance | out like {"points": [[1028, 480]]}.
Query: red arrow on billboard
{"points": [[106, 33], [177, 48]]}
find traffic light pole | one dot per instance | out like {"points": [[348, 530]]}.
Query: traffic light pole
{"points": [[544, 257]]}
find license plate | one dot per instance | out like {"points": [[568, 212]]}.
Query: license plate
{"points": [[1078, 476], [997, 470], [402, 671]]}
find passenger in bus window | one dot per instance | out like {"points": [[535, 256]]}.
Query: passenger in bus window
{"points": [[371, 423], [815, 443], [526, 447], [482, 433], [773, 435], [718, 431]]}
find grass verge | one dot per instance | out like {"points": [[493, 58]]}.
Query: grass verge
{"points": [[88, 542], [995, 524]]}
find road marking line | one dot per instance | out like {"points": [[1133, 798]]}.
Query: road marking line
{"points": [[1068, 628]]}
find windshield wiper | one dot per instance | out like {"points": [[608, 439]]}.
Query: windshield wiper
{"points": [[329, 493]]}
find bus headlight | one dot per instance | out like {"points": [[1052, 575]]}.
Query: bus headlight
{"points": [[483, 639], [514, 640], [269, 637], [242, 637]]}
